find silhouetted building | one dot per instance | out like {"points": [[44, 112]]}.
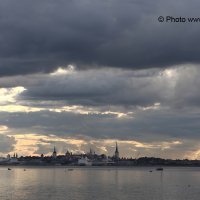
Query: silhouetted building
{"points": [[116, 152], [54, 155], [90, 151], [67, 154]]}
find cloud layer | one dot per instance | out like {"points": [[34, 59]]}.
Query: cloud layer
{"points": [[39, 36]]}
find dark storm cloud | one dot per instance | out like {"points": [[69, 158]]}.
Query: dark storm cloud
{"points": [[38, 36]]}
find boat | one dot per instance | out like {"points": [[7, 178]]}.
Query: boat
{"points": [[159, 169]]}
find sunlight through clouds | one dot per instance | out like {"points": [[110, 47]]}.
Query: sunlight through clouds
{"points": [[9, 95], [63, 71]]}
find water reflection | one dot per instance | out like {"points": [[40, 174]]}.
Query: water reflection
{"points": [[99, 183]]}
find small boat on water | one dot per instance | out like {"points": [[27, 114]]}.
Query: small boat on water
{"points": [[159, 169]]}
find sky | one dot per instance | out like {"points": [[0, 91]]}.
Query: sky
{"points": [[84, 74]]}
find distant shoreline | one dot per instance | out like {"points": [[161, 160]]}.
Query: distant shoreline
{"points": [[75, 166]]}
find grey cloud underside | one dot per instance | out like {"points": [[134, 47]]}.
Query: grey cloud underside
{"points": [[6, 143], [38, 36], [147, 126], [98, 88], [120, 88]]}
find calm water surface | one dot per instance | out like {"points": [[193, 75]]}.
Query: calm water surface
{"points": [[48, 183]]}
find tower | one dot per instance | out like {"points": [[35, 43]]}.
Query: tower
{"points": [[116, 152], [54, 155], [90, 151]]}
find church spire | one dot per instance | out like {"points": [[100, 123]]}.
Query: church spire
{"points": [[54, 155], [116, 152], [90, 151]]}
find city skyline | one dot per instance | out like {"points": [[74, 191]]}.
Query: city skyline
{"points": [[91, 158], [55, 153]]}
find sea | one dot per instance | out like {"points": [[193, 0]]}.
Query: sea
{"points": [[99, 183]]}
